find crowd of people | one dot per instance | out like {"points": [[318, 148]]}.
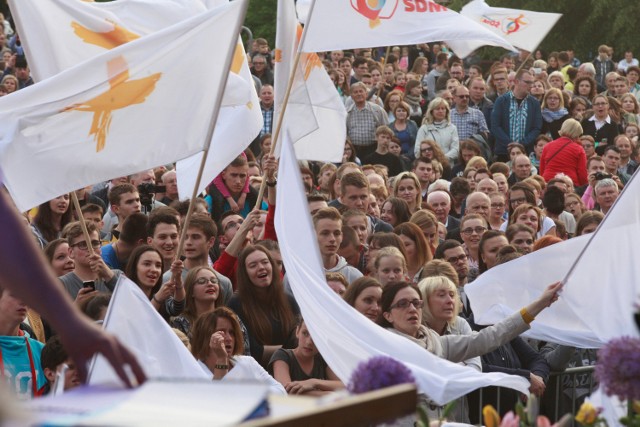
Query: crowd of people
{"points": [[451, 167]]}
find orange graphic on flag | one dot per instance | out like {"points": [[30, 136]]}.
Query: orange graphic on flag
{"points": [[122, 93], [114, 38]]}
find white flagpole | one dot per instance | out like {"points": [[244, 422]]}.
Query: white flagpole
{"points": [[214, 118]]}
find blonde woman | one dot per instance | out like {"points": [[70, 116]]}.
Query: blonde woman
{"points": [[407, 187], [554, 113], [437, 126]]}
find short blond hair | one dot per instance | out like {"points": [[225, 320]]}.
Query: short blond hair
{"points": [[432, 284], [571, 128]]}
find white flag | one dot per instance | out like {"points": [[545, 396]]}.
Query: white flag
{"points": [[524, 29], [346, 24], [315, 116], [598, 300], [137, 324], [326, 314], [134, 107], [51, 32]]}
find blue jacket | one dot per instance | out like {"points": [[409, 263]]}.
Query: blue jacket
{"points": [[500, 123]]}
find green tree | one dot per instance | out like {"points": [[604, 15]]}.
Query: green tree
{"points": [[261, 19]]}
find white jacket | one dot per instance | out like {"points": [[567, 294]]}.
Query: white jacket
{"points": [[445, 134]]}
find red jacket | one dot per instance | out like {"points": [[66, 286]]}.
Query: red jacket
{"points": [[566, 156]]}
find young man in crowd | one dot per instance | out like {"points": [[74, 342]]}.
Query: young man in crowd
{"points": [[124, 200], [163, 233]]}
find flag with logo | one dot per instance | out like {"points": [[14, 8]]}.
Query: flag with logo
{"points": [[325, 313], [137, 324], [133, 107], [602, 284], [315, 115], [55, 32], [346, 24], [524, 29]]}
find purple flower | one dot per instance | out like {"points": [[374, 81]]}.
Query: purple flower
{"points": [[618, 368], [379, 372]]}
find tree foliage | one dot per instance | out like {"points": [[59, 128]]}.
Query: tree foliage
{"points": [[261, 19], [584, 25]]}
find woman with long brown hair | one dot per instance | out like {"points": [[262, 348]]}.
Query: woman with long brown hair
{"points": [[262, 305]]}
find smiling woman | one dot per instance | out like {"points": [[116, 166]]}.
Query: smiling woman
{"points": [[262, 305]]}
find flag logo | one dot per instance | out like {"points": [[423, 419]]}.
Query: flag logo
{"points": [[513, 25], [375, 10], [122, 93]]}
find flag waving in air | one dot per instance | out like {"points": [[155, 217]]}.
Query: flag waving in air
{"points": [[522, 28], [315, 115], [139, 105], [59, 34], [346, 24]]}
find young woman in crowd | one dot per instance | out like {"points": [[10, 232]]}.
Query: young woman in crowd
{"points": [[468, 149], [395, 211], [496, 214], [472, 227], [601, 114], [51, 218], [381, 240], [391, 102], [404, 128], [302, 370], [574, 205], [417, 249], [588, 222], [262, 305], [203, 294], [554, 113], [577, 108], [390, 266], [145, 269], [522, 237], [428, 224], [437, 127], [57, 253], [586, 88], [217, 344], [432, 151], [364, 295], [407, 187]]}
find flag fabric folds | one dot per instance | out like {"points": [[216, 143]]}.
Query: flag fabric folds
{"points": [[51, 32], [601, 289], [133, 107], [326, 314], [315, 115], [346, 24], [524, 29], [139, 326]]}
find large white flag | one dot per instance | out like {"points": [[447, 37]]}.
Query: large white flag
{"points": [[326, 314], [137, 324], [143, 104], [601, 289], [522, 28], [54, 34], [346, 24], [315, 115]]}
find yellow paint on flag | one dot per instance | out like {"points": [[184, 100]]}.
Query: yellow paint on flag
{"points": [[114, 38]]}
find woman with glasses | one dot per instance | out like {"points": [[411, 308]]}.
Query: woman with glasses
{"points": [[601, 126], [574, 205], [496, 214], [145, 269], [554, 112], [430, 149], [203, 294], [472, 227]]}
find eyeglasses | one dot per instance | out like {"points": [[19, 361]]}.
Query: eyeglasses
{"points": [[423, 150], [459, 258], [469, 231], [463, 96], [497, 205], [405, 303], [83, 244], [518, 200], [571, 204], [205, 280], [600, 104]]}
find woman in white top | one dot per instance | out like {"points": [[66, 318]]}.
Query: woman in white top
{"points": [[217, 344], [437, 126]]}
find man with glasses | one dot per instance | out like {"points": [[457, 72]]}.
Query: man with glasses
{"points": [[469, 121], [516, 117], [261, 70], [500, 82], [90, 274]]}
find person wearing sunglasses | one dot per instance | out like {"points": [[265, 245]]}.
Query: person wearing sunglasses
{"points": [[468, 121]]}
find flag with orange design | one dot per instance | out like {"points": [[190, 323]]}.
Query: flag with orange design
{"points": [[136, 106], [315, 116]]}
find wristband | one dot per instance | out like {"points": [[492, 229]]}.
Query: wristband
{"points": [[221, 367], [528, 318], [272, 183]]}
